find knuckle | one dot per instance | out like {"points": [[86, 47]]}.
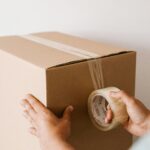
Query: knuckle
{"points": [[66, 121], [25, 112], [32, 102], [45, 115], [29, 108], [133, 101], [45, 112]]}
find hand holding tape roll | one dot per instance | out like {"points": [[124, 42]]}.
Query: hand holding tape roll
{"points": [[97, 103]]}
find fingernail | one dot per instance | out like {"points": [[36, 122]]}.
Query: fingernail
{"points": [[106, 120], [108, 107], [71, 108]]}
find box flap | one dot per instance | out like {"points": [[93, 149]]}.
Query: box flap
{"points": [[39, 50]]}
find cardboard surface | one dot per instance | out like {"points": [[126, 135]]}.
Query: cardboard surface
{"points": [[17, 78], [45, 57], [119, 71], [29, 67]]}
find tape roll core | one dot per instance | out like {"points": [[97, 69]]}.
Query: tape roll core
{"points": [[97, 102]]}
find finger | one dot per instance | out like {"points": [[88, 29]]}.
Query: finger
{"points": [[109, 116], [27, 106], [35, 103], [28, 117], [106, 121], [108, 107], [128, 100], [39, 107], [33, 131], [67, 113]]}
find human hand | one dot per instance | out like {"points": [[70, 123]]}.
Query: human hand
{"points": [[51, 131], [139, 116]]}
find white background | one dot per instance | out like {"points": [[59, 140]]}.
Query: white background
{"points": [[125, 23]]}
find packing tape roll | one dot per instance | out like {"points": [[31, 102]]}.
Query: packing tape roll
{"points": [[97, 103]]}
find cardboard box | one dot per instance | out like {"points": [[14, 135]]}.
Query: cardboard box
{"points": [[59, 77]]}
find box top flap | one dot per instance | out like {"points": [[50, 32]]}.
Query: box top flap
{"points": [[48, 49]]}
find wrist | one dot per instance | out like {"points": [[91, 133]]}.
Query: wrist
{"points": [[63, 144]]}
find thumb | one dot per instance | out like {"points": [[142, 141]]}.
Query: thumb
{"points": [[127, 100], [67, 113]]}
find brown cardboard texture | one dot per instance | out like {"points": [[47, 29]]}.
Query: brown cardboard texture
{"points": [[58, 79]]}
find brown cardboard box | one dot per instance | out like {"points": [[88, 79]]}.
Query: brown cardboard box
{"points": [[59, 78]]}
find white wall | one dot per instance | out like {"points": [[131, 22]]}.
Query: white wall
{"points": [[125, 23]]}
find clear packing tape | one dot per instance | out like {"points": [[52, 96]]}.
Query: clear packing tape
{"points": [[97, 103], [99, 98]]}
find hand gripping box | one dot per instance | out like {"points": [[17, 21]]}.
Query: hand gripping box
{"points": [[55, 68]]}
